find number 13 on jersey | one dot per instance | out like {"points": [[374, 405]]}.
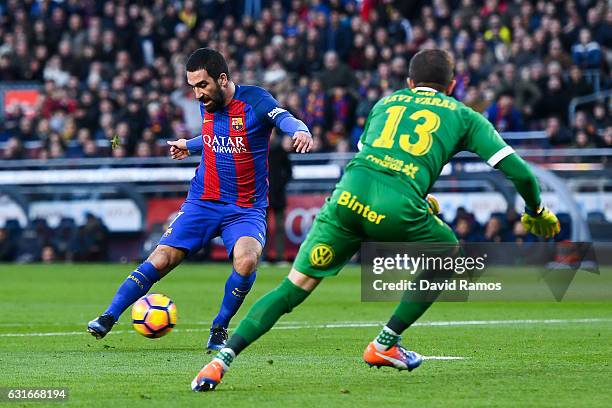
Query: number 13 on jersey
{"points": [[423, 129]]}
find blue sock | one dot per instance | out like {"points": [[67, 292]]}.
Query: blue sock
{"points": [[135, 286], [236, 289]]}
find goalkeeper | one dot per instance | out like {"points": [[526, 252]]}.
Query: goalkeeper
{"points": [[408, 138]]}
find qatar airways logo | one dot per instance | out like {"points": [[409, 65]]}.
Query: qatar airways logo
{"points": [[225, 144]]}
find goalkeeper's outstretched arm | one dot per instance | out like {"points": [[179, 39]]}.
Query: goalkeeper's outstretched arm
{"points": [[525, 182], [536, 219]]}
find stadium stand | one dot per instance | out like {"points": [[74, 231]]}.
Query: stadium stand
{"points": [[117, 67]]}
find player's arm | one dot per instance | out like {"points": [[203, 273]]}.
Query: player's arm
{"points": [[302, 139], [269, 110], [536, 219], [483, 139]]}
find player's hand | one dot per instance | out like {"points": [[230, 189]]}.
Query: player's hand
{"points": [[178, 149], [434, 205], [542, 223], [302, 142]]}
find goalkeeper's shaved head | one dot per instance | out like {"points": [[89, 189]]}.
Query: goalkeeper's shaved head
{"points": [[432, 68]]}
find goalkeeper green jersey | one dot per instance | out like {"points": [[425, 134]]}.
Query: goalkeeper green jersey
{"points": [[412, 133]]}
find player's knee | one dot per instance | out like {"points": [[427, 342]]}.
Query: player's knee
{"points": [[245, 262], [164, 259]]}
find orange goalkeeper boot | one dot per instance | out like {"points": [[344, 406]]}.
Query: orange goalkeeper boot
{"points": [[209, 376], [397, 357]]}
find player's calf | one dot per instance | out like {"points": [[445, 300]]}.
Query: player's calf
{"points": [[136, 285], [246, 254]]}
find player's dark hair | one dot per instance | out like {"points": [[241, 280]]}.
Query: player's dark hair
{"points": [[433, 68], [211, 60]]}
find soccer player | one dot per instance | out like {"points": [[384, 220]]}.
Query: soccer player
{"points": [[228, 195], [408, 137]]}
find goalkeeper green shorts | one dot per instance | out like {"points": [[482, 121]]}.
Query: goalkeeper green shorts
{"points": [[365, 206]]}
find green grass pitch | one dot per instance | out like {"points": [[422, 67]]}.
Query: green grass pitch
{"points": [[531, 362]]}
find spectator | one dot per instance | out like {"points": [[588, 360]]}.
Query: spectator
{"points": [[503, 115], [582, 140], [497, 32], [526, 93], [606, 138], [519, 234], [143, 149], [341, 108], [557, 54], [493, 230], [90, 149], [586, 53], [335, 73], [13, 149], [336, 134], [183, 98], [577, 83], [582, 124], [48, 254], [601, 118], [361, 113], [554, 101], [338, 36], [526, 54], [475, 100], [464, 231], [314, 104], [558, 135]]}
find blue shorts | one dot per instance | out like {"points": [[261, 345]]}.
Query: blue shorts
{"points": [[198, 222]]}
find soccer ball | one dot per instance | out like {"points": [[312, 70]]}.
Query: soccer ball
{"points": [[154, 315]]}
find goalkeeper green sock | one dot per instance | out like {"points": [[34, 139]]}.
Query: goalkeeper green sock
{"points": [[415, 303], [386, 339], [405, 314], [265, 313]]}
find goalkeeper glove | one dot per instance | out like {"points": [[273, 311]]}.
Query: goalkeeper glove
{"points": [[541, 222], [434, 205]]}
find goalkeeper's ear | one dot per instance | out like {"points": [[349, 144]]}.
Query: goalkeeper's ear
{"points": [[451, 87]]}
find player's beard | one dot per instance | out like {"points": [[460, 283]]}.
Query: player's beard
{"points": [[216, 100]]}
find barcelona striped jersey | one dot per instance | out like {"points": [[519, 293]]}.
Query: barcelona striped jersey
{"points": [[234, 164]]}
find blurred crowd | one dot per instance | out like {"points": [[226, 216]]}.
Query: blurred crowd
{"points": [[500, 227], [38, 242], [116, 68]]}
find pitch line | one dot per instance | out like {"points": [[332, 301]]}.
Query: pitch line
{"points": [[349, 325], [444, 358]]}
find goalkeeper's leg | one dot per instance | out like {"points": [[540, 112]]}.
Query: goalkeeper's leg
{"points": [[327, 248], [385, 349], [292, 291]]}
